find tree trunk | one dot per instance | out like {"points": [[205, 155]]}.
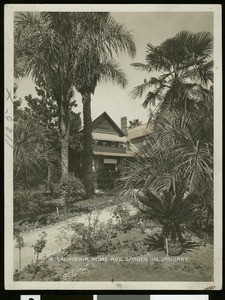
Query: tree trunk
{"points": [[87, 159], [20, 260], [64, 156], [64, 138]]}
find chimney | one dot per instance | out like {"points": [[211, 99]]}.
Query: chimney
{"points": [[124, 125]]}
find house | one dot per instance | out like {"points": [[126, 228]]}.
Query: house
{"points": [[138, 136], [110, 144]]}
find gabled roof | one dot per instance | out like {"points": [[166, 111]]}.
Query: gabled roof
{"points": [[101, 118]]}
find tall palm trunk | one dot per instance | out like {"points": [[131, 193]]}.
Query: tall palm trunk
{"points": [[64, 156], [64, 139], [87, 152]]}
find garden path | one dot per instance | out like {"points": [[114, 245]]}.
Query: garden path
{"points": [[54, 245]]}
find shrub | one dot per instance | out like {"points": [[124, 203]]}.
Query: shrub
{"points": [[40, 269], [93, 239], [29, 203], [154, 242], [72, 190], [172, 211], [106, 179], [40, 244], [122, 215]]}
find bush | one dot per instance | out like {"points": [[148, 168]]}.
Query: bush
{"points": [[122, 215], [39, 270], [93, 239], [72, 190], [29, 203], [106, 179]]}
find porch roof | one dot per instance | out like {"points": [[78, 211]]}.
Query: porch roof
{"points": [[101, 153], [108, 137]]}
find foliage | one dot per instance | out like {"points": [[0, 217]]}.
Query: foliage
{"points": [[173, 210], [122, 215], [182, 67], [71, 189], [34, 158], [20, 244], [134, 123], [45, 111], [182, 144], [43, 108], [29, 204], [40, 244], [179, 151], [39, 270], [61, 50], [93, 239], [106, 179], [155, 242], [19, 241]]}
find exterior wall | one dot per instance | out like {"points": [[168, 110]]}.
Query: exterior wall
{"points": [[105, 127], [108, 139], [139, 142], [109, 149]]}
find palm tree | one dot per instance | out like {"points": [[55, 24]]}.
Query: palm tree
{"points": [[181, 67], [34, 158], [105, 38], [63, 50], [47, 46], [180, 151], [134, 123], [181, 148], [172, 211]]}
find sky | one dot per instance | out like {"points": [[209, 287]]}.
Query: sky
{"points": [[153, 27]]}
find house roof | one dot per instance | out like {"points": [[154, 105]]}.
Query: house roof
{"points": [[108, 137], [105, 116], [139, 131]]}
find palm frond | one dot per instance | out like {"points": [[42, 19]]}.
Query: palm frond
{"points": [[32, 153], [139, 90], [117, 37], [109, 70], [141, 67]]}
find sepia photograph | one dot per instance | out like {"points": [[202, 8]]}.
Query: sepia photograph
{"points": [[113, 147]]}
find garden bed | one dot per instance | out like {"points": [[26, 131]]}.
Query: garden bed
{"points": [[97, 202], [127, 259]]}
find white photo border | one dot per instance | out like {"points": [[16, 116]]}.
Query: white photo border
{"points": [[216, 284]]}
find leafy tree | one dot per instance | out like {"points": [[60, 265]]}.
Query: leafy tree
{"points": [[134, 123], [40, 245], [63, 50], [20, 244], [43, 111], [47, 46]]}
